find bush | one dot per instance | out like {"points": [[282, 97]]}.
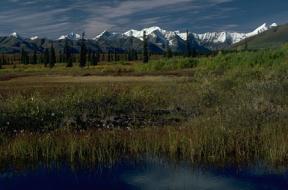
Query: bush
{"points": [[168, 64]]}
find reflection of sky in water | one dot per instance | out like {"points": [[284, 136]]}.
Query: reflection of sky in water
{"points": [[147, 175]]}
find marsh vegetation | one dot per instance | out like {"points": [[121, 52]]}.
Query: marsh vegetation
{"points": [[229, 108]]}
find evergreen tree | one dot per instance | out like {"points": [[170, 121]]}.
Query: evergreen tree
{"points": [[246, 45], [4, 62], [98, 56], [83, 52], [169, 53], [90, 53], [129, 55], [24, 55], [188, 46], [46, 57], [52, 59], [135, 54], [60, 57], [34, 58], [115, 55], [94, 59], [145, 48], [193, 52], [27, 61], [1, 63], [130, 50], [109, 56], [67, 55]]}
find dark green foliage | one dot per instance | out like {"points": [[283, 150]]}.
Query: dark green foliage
{"points": [[132, 55], [193, 52], [168, 64], [60, 57], [24, 57], [94, 58], [90, 56], [115, 55], [145, 48], [52, 60], [67, 54], [83, 52], [246, 45], [46, 57], [35, 59], [169, 52], [109, 56], [188, 45], [2, 61]]}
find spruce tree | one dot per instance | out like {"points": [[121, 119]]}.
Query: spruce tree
{"points": [[129, 55], [34, 58], [169, 53], [130, 50], [109, 56], [115, 55], [3, 60], [83, 52], [52, 59], [27, 59], [246, 45], [90, 56], [193, 52], [46, 57], [1, 63], [145, 48], [24, 55], [67, 55], [135, 54], [188, 47], [94, 59], [60, 57], [98, 56]]}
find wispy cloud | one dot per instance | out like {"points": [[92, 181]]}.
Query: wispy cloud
{"points": [[54, 17]]}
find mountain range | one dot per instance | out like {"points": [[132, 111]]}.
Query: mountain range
{"points": [[158, 40]]}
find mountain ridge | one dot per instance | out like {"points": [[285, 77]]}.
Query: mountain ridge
{"points": [[158, 39]]}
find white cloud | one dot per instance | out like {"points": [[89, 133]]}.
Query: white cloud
{"points": [[54, 17]]}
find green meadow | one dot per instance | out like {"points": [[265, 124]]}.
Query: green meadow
{"points": [[231, 108]]}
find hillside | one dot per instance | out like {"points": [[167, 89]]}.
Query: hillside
{"points": [[272, 38]]}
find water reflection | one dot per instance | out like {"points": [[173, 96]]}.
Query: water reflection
{"points": [[148, 174]]}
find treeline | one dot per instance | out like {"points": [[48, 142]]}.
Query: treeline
{"points": [[88, 57]]}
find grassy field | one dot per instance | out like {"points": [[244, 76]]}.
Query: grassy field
{"points": [[230, 108]]}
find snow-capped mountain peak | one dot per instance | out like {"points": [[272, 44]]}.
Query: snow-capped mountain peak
{"points": [[273, 25], [230, 37], [107, 35], [70, 36], [258, 30], [153, 29], [14, 34], [160, 36], [104, 33], [139, 33], [34, 38]]}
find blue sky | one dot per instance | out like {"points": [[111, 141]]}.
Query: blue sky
{"points": [[51, 18]]}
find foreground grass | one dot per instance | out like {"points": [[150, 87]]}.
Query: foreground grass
{"points": [[194, 142], [232, 108]]}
